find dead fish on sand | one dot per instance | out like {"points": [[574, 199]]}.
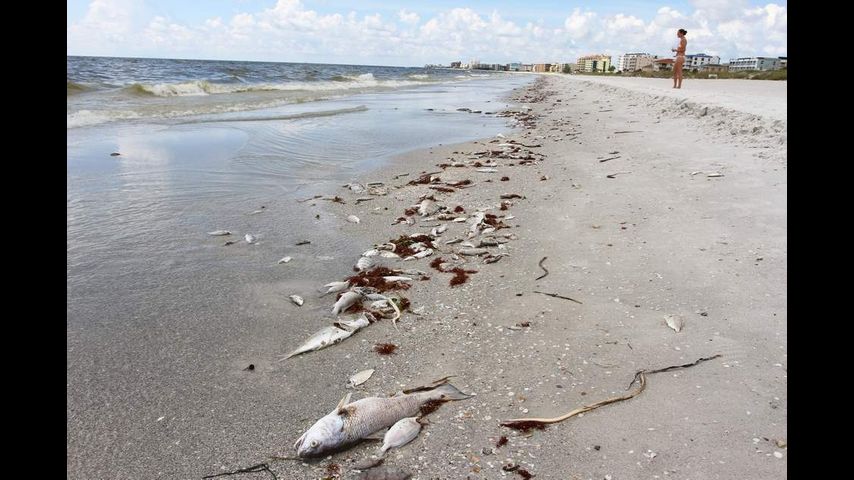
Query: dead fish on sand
{"points": [[347, 300], [219, 233], [364, 263], [284, 260], [353, 219], [349, 422], [473, 252], [427, 207], [486, 170], [421, 254], [330, 335], [298, 301], [401, 433], [335, 287]]}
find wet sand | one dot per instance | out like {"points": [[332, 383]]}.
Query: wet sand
{"points": [[658, 238]]}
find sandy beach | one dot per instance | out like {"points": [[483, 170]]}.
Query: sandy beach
{"points": [[645, 202]]}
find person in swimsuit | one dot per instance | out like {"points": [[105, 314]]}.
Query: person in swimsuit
{"points": [[680, 57]]}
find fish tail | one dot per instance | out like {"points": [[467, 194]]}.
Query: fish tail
{"points": [[448, 392]]}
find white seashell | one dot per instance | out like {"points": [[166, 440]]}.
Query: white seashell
{"points": [[284, 260], [675, 322], [353, 219], [360, 378], [298, 301]]}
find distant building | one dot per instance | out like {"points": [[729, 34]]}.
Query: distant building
{"points": [[754, 63], [714, 68], [514, 67], [456, 64], [784, 62], [700, 59], [632, 62], [542, 67], [527, 67], [594, 63], [660, 65]]}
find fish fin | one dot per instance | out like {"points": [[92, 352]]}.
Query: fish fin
{"points": [[433, 385], [299, 441], [344, 401], [378, 435], [450, 392]]}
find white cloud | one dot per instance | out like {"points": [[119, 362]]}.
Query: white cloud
{"points": [[290, 31]]}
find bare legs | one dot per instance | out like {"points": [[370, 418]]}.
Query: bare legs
{"points": [[677, 73]]}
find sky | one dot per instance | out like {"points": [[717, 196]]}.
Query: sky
{"points": [[415, 33]]}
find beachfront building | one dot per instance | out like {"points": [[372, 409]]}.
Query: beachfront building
{"points": [[754, 63], [697, 61], [514, 67], [632, 62], [594, 63], [527, 67], [542, 67], [714, 68], [660, 65]]}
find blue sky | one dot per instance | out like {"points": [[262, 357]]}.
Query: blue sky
{"points": [[414, 33]]}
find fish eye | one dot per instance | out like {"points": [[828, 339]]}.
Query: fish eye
{"points": [[313, 444]]}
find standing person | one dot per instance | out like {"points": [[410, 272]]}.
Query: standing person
{"points": [[680, 57]]}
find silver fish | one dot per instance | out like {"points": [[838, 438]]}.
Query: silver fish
{"points": [[401, 433], [346, 301], [350, 422], [353, 219], [335, 287], [298, 301], [219, 233], [473, 251], [364, 263], [421, 254], [325, 337], [392, 278], [387, 254], [250, 238], [353, 324], [486, 170]]}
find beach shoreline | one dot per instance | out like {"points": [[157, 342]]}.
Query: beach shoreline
{"points": [[644, 205]]}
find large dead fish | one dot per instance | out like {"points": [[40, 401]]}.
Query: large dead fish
{"points": [[331, 335], [349, 422]]}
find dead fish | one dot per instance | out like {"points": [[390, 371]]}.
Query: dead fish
{"points": [[426, 207], [323, 338], [334, 287], [451, 242], [715, 175], [364, 263], [439, 230], [298, 301], [509, 217], [371, 253], [353, 219], [421, 254], [219, 233], [397, 279], [387, 254], [494, 258], [256, 212], [354, 324], [675, 322], [459, 219], [284, 260], [359, 378], [349, 423], [346, 301], [401, 433], [488, 230], [486, 170], [250, 238], [473, 252]]}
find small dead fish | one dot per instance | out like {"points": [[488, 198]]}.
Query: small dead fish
{"points": [[509, 217], [387, 254], [426, 207], [284, 260], [359, 378], [364, 263], [715, 175], [250, 238], [323, 338], [298, 301], [451, 242], [353, 219], [401, 433], [459, 219], [486, 170], [349, 423], [675, 322], [256, 212], [346, 301], [353, 324], [488, 230], [473, 252], [335, 287], [421, 254], [439, 230], [219, 233], [371, 253], [397, 279]]}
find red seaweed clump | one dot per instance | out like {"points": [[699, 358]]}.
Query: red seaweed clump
{"points": [[385, 348], [374, 278]]}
